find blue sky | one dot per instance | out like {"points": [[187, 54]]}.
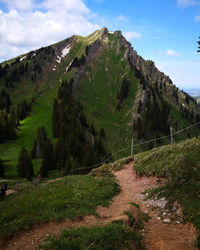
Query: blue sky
{"points": [[163, 31]]}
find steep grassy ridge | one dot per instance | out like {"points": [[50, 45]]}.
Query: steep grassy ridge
{"points": [[44, 91], [179, 164], [98, 90]]}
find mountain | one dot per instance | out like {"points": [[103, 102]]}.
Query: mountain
{"points": [[105, 94]]}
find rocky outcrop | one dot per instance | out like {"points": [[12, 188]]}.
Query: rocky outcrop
{"points": [[147, 68]]}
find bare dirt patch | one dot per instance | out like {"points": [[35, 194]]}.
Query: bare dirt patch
{"points": [[10, 191], [158, 235]]}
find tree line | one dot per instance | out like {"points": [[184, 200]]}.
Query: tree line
{"points": [[10, 116], [78, 145]]}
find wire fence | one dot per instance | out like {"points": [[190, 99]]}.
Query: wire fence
{"points": [[126, 148], [135, 145], [129, 147]]}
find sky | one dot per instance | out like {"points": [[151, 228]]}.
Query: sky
{"points": [[163, 31]]}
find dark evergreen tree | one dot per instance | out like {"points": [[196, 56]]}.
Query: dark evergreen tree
{"points": [[47, 159], [140, 129], [2, 170], [118, 107], [198, 46], [60, 154], [102, 133], [75, 146], [55, 119], [124, 90], [48, 155], [7, 126], [44, 170], [34, 150], [5, 101], [41, 138], [23, 109], [92, 129], [83, 120], [68, 166], [24, 166]]}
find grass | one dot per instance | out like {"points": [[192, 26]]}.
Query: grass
{"points": [[180, 165], [71, 197], [164, 160], [109, 237], [97, 92], [41, 114], [107, 169]]}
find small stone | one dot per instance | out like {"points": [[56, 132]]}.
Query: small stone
{"points": [[178, 222], [167, 220], [159, 218], [164, 213]]}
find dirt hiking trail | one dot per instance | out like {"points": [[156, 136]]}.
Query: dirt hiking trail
{"points": [[158, 235]]}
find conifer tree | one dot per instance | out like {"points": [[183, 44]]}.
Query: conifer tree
{"points": [[102, 133], [34, 150], [44, 169], [25, 166], [1, 168], [47, 161], [124, 90], [48, 154], [67, 166], [55, 119], [92, 129], [41, 138], [198, 46]]}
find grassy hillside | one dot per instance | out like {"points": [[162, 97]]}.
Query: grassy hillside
{"points": [[41, 116], [98, 86], [67, 198], [179, 164], [44, 90], [98, 90]]}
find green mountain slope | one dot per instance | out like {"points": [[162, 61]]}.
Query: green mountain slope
{"points": [[117, 89], [179, 164]]}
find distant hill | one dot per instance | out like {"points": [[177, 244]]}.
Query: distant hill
{"points": [[193, 92]]}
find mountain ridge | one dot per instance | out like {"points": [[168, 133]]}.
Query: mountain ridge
{"points": [[117, 89]]}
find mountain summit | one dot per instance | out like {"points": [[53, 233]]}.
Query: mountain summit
{"points": [[113, 91]]}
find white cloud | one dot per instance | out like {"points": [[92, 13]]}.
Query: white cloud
{"points": [[131, 35], [172, 53], [122, 18], [197, 18], [73, 6], [24, 29], [187, 3], [19, 4]]}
